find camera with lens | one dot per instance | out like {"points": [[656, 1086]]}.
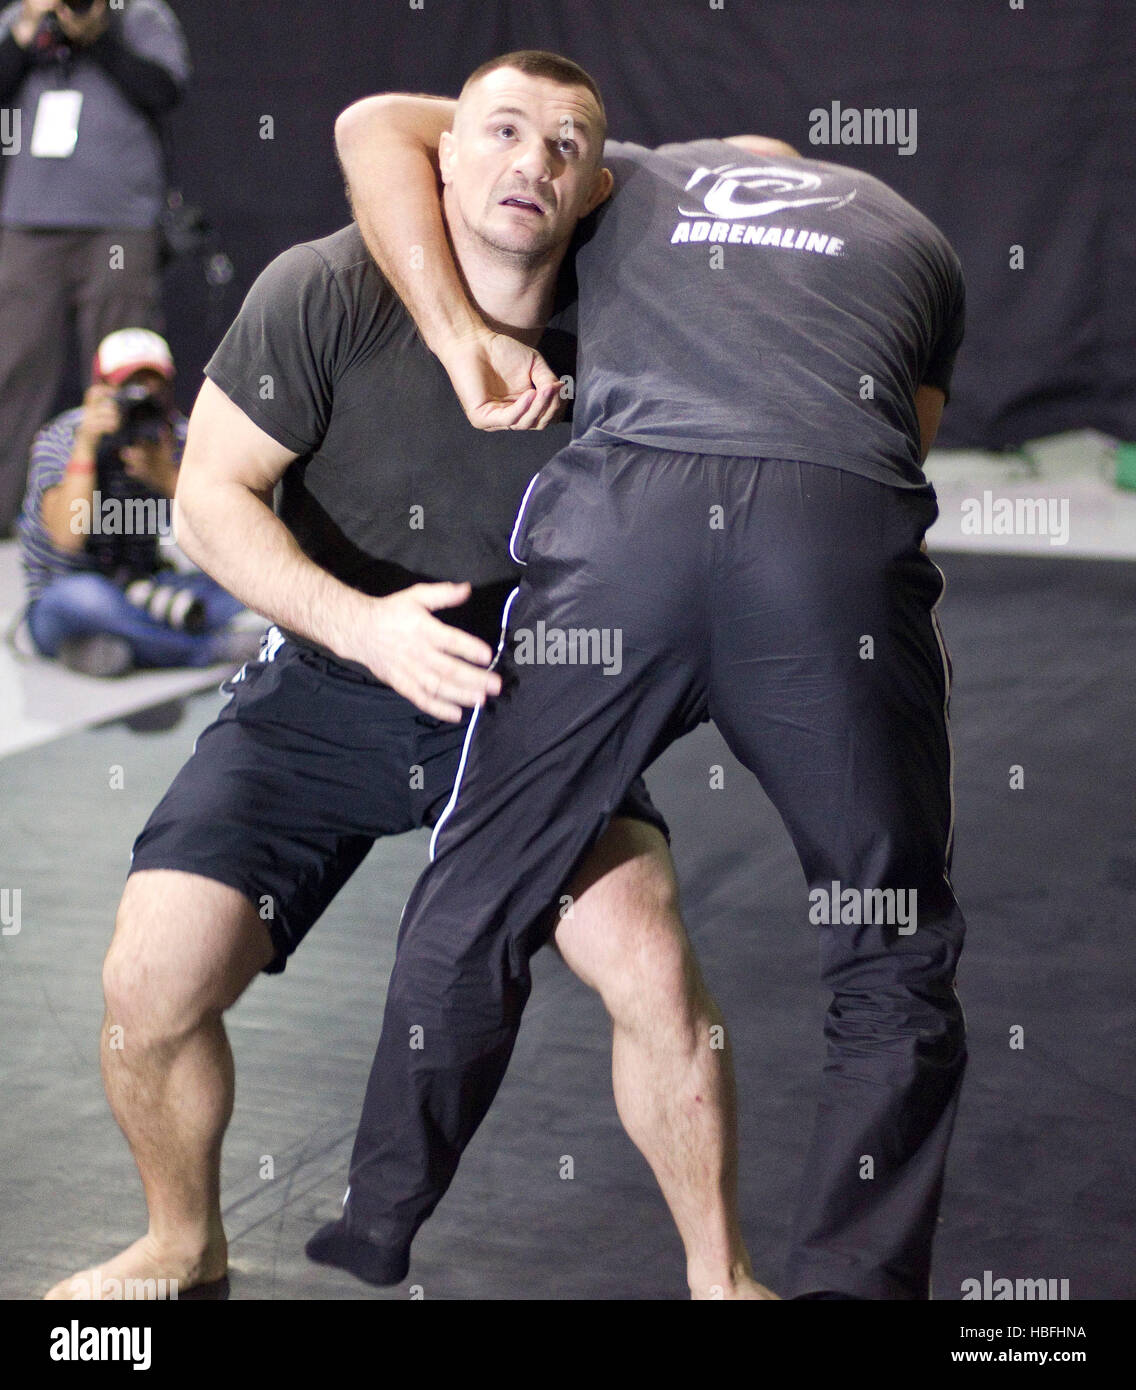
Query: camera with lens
{"points": [[129, 556], [144, 416], [129, 550]]}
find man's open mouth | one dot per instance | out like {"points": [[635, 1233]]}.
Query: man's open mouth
{"points": [[526, 203]]}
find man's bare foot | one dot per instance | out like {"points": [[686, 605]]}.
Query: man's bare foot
{"points": [[750, 1288], [743, 1287], [144, 1271]]}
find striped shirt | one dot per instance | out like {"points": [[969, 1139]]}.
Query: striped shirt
{"points": [[43, 561]]}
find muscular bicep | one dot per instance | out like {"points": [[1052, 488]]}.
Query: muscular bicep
{"points": [[224, 446], [366, 125], [929, 402]]}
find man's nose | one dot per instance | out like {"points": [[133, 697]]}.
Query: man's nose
{"points": [[533, 160]]}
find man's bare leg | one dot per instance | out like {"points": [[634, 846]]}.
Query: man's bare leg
{"points": [[185, 948], [672, 1071]]}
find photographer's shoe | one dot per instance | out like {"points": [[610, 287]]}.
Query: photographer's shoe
{"points": [[99, 655]]}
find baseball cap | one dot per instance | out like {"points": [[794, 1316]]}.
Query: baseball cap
{"points": [[129, 350]]}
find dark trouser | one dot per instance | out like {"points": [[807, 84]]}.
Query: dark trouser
{"points": [[45, 276], [793, 604]]}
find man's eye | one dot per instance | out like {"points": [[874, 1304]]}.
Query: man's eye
{"points": [[507, 131], [568, 147]]}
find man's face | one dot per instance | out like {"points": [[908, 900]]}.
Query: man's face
{"points": [[522, 165]]}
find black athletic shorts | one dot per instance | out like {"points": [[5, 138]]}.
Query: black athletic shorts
{"points": [[303, 770]]}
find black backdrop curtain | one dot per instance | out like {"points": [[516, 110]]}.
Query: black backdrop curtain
{"points": [[1025, 136]]}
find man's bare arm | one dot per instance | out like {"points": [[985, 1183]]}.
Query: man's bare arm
{"points": [[391, 142], [226, 525], [388, 148]]}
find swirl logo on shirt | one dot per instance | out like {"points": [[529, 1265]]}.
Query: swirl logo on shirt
{"points": [[732, 190]]}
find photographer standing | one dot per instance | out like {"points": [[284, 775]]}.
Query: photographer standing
{"points": [[97, 517], [84, 183]]}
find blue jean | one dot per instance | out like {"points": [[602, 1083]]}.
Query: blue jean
{"points": [[84, 604]]}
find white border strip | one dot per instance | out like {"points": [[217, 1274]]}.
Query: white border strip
{"points": [[520, 517], [938, 631], [453, 801], [946, 710]]}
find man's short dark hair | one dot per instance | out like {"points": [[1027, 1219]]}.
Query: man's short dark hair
{"points": [[536, 62]]}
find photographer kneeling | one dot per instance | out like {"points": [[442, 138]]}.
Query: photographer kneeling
{"points": [[97, 517]]}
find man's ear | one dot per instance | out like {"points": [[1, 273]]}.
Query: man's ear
{"points": [[601, 190], [447, 153]]}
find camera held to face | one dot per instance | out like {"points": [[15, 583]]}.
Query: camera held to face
{"points": [[145, 417], [127, 554]]}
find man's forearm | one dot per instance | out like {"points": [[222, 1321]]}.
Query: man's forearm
{"points": [[390, 142], [388, 146], [63, 505], [238, 540]]}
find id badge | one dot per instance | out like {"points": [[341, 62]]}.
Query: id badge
{"points": [[56, 126]]}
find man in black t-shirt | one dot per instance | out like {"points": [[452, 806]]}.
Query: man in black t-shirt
{"points": [[350, 726], [766, 343]]}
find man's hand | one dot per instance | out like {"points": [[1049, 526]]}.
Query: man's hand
{"points": [[435, 666], [501, 383], [83, 29], [152, 463], [100, 416], [29, 19]]}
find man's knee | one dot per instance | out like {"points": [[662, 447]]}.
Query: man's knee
{"points": [[622, 930], [184, 949]]}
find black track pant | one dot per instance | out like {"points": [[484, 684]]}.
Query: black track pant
{"points": [[792, 603]]}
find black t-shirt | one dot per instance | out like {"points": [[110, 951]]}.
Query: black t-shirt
{"points": [[392, 485], [733, 303]]}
